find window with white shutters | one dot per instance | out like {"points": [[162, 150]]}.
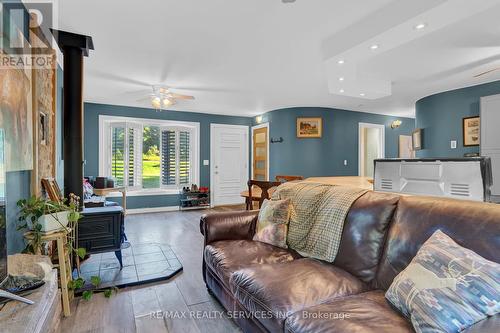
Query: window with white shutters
{"points": [[168, 158], [125, 166], [176, 157], [147, 155], [118, 154]]}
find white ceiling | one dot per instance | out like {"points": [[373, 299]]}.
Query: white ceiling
{"points": [[246, 57]]}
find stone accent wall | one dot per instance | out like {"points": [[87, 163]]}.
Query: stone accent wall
{"points": [[44, 105]]}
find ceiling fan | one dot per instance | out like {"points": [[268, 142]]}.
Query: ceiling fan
{"points": [[162, 98], [487, 72]]}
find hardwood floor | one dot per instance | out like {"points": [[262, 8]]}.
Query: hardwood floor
{"points": [[181, 304]]}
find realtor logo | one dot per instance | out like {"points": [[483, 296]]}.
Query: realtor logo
{"points": [[25, 39]]}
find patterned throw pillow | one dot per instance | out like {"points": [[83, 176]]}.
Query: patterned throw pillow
{"points": [[446, 288], [272, 224]]}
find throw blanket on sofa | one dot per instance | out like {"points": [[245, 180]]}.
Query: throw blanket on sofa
{"points": [[317, 217]]}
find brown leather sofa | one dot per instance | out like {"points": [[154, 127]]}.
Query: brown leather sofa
{"points": [[269, 289]]}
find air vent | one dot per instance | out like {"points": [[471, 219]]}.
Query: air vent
{"points": [[461, 190], [386, 184]]}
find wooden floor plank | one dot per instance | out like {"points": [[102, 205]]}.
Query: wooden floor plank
{"points": [[176, 313], [210, 317], [130, 310]]}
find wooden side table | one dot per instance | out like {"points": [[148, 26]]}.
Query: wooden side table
{"points": [[105, 191], [61, 237]]}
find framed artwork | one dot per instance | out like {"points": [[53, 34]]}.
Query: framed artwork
{"points": [[16, 117], [471, 131], [406, 147], [416, 137], [309, 127]]}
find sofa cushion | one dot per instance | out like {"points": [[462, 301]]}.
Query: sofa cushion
{"points": [[366, 312], [446, 287], [474, 225], [272, 224], [364, 232], [271, 292], [225, 257]]}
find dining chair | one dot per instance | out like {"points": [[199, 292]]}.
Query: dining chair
{"points": [[264, 187], [286, 178]]}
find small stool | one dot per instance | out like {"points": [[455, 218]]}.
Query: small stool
{"points": [[61, 237]]}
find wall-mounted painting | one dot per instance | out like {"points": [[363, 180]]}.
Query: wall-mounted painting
{"points": [[309, 127], [471, 131], [416, 137], [16, 117]]}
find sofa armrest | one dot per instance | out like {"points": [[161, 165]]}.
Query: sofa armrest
{"points": [[488, 325], [228, 225]]}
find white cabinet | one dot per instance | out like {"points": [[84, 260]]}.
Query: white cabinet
{"points": [[490, 138]]}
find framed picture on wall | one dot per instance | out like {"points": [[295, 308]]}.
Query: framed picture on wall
{"points": [[416, 137], [471, 131], [309, 127]]}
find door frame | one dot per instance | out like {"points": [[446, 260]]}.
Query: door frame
{"points": [[361, 126], [263, 125], [212, 127]]}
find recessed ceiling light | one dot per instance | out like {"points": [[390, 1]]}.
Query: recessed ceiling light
{"points": [[340, 62], [341, 79], [420, 26], [374, 47], [362, 94], [341, 91]]}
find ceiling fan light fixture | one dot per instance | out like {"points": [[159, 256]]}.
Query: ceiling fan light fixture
{"points": [[156, 102], [167, 102]]}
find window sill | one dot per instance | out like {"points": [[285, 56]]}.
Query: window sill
{"points": [[145, 192]]}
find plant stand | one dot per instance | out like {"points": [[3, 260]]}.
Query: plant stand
{"points": [[61, 238]]}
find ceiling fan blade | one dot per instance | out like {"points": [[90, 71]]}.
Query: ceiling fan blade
{"points": [[143, 99], [179, 96], [487, 72]]}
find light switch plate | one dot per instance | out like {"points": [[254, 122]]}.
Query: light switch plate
{"points": [[205, 162], [453, 144]]}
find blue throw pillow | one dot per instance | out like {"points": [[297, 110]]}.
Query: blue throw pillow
{"points": [[446, 287]]}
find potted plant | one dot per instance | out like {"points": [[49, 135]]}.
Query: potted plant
{"points": [[40, 216], [43, 215]]}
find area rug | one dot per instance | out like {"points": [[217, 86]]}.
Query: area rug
{"points": [[142, 263]]}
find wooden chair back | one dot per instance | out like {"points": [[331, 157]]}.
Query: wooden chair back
{"points": [[286, 178], [264, 187]]}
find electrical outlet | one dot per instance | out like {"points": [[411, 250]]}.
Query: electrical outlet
{"points": [[453, 144], [345, 162], [205, 162]]}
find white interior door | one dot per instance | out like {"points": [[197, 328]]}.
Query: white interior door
{"points": [[371, 146], [229, 163], [490, 139]]}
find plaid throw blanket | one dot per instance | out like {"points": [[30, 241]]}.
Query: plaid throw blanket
{"points": [[317, 217]]}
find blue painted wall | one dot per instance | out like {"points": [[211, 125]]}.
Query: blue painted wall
{"points": [[441, 115], [91, 151], [325, 156]]}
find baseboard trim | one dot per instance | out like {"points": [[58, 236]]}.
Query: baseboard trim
{"points": [[152, 210]]}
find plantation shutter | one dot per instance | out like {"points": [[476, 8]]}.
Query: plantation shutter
{"points": [[168, 158], [184, 158], [134, 154], [126, 150], [176, 157], [118, 154]]}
